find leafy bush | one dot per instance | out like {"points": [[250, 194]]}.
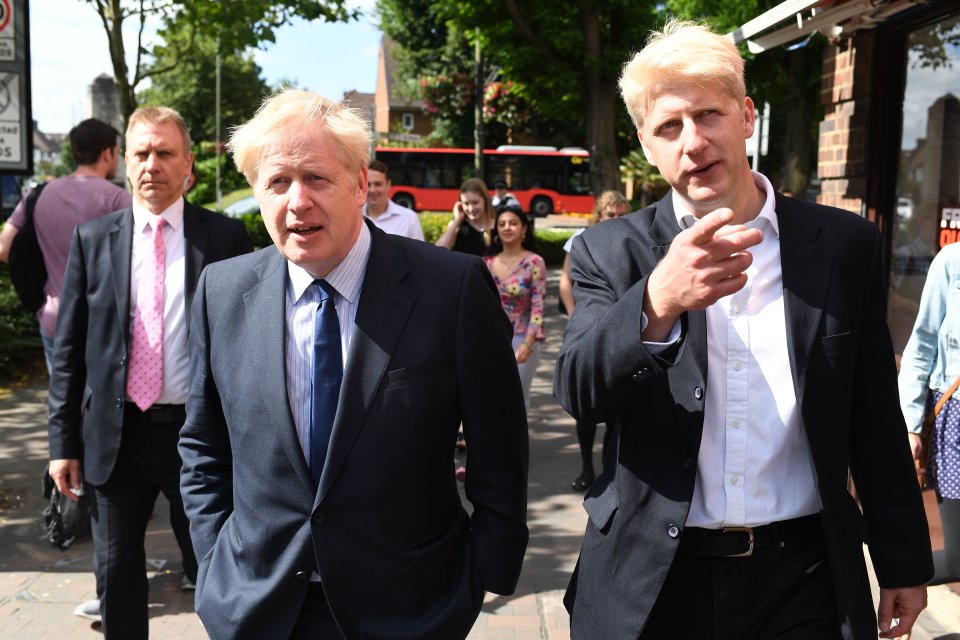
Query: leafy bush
{"points": [[549, 241], [20, 343]]}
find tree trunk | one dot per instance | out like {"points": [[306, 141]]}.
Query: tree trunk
{"points": [[601, 104]]}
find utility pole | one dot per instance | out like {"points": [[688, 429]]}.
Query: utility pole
{"points": [[478, 141], [217, 134]]}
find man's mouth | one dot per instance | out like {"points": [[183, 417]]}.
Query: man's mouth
{"points": [[304, 231], [701, 171]]}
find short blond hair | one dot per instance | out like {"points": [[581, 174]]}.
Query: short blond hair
{"points": [[300, 113], [684, 52], [611, 198], [160, 115]]}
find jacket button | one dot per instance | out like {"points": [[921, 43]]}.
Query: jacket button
{"points": [[643, 373], [673, 531], [119, 403], [688, 463], [698, 392], [123, 360], [319, 517], [303, 575]]}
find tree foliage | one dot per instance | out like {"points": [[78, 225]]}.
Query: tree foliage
{"points": [[237, 23], [566, 56]]}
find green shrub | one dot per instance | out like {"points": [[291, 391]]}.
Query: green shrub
{"points": [[549, 241], [20, 342], [257, 231], [433, 225]]}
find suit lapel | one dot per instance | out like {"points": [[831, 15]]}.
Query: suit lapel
{"points": [[806, 280], [121, 262], [382, 313], [265, 310], [195, 248]]}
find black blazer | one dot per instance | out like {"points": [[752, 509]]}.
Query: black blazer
{"points": [[91, 349], [398, 555], [845, 381]]}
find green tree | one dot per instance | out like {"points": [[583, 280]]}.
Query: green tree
{"points": [[567, 56], [237, 23], [192, 89]]}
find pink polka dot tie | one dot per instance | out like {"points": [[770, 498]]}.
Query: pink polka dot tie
{"points": [[145, 377]]}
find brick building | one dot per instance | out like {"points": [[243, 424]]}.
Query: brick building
{"points": [[889, 142]]}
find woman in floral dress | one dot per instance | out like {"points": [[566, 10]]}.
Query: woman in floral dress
{"points": [[521, 277]]}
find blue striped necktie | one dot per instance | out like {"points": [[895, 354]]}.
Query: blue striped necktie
{"points": [[327, 376]]}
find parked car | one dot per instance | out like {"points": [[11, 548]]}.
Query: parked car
{"points": [[242, 207]]}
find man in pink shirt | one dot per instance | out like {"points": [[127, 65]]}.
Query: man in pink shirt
{"points": [[85, 194]]}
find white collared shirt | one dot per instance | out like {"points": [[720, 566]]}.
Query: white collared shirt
{"points": [[754, 465], [176, 361], [303, 301], [397, 220]]}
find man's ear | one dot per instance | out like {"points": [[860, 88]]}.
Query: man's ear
{"points": [[749, 117], [646, 151]]}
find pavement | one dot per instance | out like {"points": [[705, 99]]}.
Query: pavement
{"points": [[40, 585]]}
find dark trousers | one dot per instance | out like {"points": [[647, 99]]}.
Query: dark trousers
{"points": [[783, 592], [316, 620], [148, 463]]}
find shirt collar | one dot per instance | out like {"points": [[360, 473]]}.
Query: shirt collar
{"points": [[346, 277], [686, 219], [172, 214], [387, 213]]}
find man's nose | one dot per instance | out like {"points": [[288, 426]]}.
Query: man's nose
{"points": [[297, 199], [693, 138]]}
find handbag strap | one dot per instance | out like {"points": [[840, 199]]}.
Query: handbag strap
{"points": [[946, 396]]}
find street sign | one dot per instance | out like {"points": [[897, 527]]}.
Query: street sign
{"points": [[16, 120], [8, 35]]}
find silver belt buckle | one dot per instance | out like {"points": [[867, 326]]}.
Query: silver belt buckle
{"points": [[749, 551]]}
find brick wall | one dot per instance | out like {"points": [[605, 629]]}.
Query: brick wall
{"points": [[841, 162]]}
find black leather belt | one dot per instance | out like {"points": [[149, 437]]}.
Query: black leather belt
{"points": [[740, 542], [158, 413]]}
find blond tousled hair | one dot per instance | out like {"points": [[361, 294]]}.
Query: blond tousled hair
{"points": [[684, 52], [159, 115], [300, 113], [610, 198]]}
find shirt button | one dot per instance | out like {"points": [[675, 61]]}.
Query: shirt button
{"points": [[698, 392], [688, 463], [735, 423], [303, 575], [737, 365], [673, 531], [734, 480]]}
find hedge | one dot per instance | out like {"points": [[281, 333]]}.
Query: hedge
{"points": [[549, 241], [20, 346]]}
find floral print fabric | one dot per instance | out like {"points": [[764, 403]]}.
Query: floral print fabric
{"points": [[522, 294]]}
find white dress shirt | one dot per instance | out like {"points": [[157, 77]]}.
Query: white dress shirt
{"points": [[176, 361], [303, 301], [754, 465], [397, 220]]}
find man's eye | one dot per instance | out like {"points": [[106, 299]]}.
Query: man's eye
{"points": [[668, 126]]}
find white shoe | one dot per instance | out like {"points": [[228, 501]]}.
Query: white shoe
{"points": [[89, 610]]}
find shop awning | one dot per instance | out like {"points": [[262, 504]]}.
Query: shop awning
{"points": [[830, 17]]}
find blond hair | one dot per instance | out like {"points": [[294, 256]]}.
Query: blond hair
{"points": [[684, 52], [479, 187], [300, 113], [159, 115], [611, 198]]}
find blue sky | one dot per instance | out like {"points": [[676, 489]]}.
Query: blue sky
{"points": [[69, 49]]}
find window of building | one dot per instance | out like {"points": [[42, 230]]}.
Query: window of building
{"points": [[408, 121], [928, 177]]}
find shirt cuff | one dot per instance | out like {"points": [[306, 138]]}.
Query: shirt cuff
{"points": [[657, 348]]}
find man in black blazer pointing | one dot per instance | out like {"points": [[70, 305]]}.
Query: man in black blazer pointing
{"points": [[738, 340], [120, 363]]}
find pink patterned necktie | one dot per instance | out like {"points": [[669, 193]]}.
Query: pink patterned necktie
{"points": [[145, 377]]}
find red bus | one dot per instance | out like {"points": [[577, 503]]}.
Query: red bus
{"points": [[543, 179]]}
